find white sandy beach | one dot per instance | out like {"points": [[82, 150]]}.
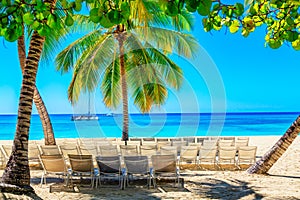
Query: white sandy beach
{"points": [[282, 183]]}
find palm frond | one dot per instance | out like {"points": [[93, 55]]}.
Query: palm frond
{"points": [[184, 21], [169, 41], [67, 58], [169, 70], [111, 85], [89, 66]]}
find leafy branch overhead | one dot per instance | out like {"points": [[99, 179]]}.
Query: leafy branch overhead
{"points": [[280, 17]]}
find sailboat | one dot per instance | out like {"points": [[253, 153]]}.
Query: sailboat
{"points": [[87, 116]]}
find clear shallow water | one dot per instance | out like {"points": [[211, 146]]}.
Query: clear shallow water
{"points": [[158, 125]]}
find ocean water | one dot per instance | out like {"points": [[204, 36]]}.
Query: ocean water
{"points": [[158, 125]]}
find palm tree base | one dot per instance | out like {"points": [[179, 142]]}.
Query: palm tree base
{"points": [[14, 189]]}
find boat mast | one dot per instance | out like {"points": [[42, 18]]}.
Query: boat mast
{"points": [[89, 105]]}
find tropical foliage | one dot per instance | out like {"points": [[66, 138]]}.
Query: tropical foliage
{"points": [[131, 55], [280, 18]]}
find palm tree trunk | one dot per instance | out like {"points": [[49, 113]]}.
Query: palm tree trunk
{"points": [[269, 159], [17, 171], [38, 101], [121, 37]]}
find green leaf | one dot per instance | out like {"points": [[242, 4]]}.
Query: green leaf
{"points": [[105, 22], [204, 7], [274, 44], [43, 31], [69, 20], [77, 7], [12, 33], [95, 15], [51, 21], [114, 17], [36, 25], [4, 3], [234, 27], [292, 36], [296, 44], [28, 18], [239, 9], [172, 8]]}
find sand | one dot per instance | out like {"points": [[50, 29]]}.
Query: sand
{"points": [[283, 182]]}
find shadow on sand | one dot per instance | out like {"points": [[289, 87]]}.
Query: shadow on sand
{"points": [[110, 189], [219, 189]]}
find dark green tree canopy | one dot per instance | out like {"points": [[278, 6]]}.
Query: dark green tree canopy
{"points": [[281, 18]]}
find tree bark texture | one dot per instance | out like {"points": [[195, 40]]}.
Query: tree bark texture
{"points": [[17, 171], [121, 37], [270, 158], [39, 103]]}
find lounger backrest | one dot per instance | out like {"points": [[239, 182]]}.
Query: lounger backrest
{"points": [[108, 150], [248, 152], [81, 163], [227, 152], [167, 150], [225, 143], [164, 163], [88, 150], [149, 143], [129, 150], [53, 163], [136, 164], [6, 150], [33, 152], [241, 143], [69, 149], [209, 143], [50, 150], [189, 152], [162, 144], [109, 164], [148, 150], [208, 152]]}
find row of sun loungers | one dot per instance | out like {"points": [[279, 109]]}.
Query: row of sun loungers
{"points": [[110, 167], [151, 155]]}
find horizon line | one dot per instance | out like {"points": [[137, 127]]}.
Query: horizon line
{"points": [[135, 113]]}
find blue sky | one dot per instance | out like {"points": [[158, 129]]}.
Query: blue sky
{"points": [[232, 73]]}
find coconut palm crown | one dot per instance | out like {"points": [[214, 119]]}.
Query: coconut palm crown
{"points": [[131, 54]]}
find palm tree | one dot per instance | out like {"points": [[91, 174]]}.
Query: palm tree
{"points": [[17, 171], [130, 56], [269, 159], [39, 103]]}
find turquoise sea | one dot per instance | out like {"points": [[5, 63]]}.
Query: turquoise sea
{"points": [[158, 125]]}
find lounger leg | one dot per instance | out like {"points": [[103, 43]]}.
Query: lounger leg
{"points": [[42, 179]]}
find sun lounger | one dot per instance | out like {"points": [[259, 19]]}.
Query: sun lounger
{"points": [[227, 155], [164, 166], [207, 154], [110, 167], [188, 154], [82, 166], [137, 166], [53, 164], [247, 154]]}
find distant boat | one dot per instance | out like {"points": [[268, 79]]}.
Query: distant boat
{"points": [[109, 114], [85, 117]]}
